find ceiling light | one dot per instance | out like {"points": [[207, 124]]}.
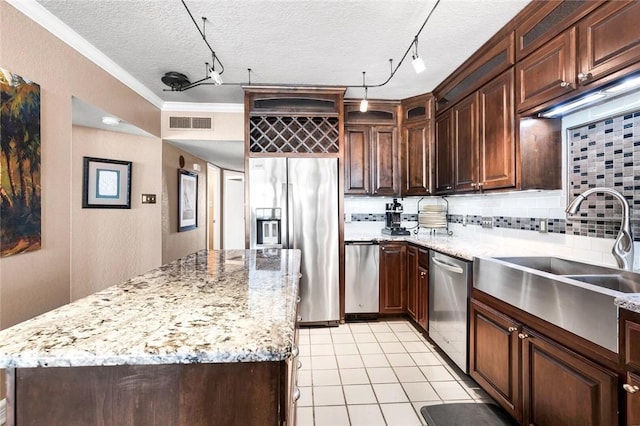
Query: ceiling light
{"points": [[555, 112], [364, 103], [418, 63], [110, 121]]}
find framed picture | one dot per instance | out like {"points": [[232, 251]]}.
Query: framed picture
{"points": [[187, 200], [106, 184]]}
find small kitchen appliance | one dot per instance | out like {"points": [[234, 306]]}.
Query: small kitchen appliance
{"points": [[393, 219]]}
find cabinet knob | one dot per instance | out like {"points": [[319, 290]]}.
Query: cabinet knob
{"points": [[564, 84], [473, 185], [448, 187], [523, 336], [512, 329], [630, 388], [584, 76], [480, 184]]}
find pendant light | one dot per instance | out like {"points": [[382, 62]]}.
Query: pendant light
{"points": [[364, 103], [418, 63]]}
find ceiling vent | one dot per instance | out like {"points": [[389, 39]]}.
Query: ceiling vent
{"points": [[201, 123]]}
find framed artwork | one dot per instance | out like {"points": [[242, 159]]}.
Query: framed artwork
{"points": [[106, 184], [187, 200]]}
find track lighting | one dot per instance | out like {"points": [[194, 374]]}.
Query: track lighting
{"points": [[364, 103], [215, 76], [418, 63]]}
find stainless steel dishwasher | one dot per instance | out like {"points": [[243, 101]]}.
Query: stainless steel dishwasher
{"points": [[361, 295], [449, 282]]}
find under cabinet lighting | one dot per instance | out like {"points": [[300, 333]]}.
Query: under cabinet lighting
{"points": [[623, 86], [555, 112]]}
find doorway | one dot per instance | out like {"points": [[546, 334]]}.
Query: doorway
{"points": [[214, 192], [233, 210]]}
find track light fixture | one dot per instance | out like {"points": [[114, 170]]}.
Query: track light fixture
{"points": [[418, 63], [364, 103]]}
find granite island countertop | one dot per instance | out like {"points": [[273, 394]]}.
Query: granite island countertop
{"points": [[208, 307]]}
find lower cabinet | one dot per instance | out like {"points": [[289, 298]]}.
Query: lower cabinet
{"points": [[418, 284], [393, 272], [552, 385], [632, 388], [630, 357]]}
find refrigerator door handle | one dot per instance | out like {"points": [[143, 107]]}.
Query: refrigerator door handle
{"points": [[291, 242]]}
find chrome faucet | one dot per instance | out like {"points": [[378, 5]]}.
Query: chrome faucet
{"points": [[623, 246]]}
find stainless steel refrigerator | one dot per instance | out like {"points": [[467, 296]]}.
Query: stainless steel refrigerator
{"points": [[294, 204]]}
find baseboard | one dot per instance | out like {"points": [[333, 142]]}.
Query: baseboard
{"points": [[3, 412]]}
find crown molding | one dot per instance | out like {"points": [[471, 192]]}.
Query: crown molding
{"points": [[201, 107], [37, 13]]}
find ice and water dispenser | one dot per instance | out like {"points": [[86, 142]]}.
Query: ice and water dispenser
{"points": [[268, 227]]}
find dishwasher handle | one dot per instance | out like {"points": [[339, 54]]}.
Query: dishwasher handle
{"points": [[451, 268], [361, 243]]}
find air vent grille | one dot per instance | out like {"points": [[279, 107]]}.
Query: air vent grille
{"points": [[205, 123]]}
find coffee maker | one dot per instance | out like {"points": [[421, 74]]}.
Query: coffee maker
{"points": [[393, 219]]}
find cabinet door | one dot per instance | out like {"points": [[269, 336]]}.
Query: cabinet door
{"points": [[609, 40], [386, 171], [444, 154], [465, 139], [494, 356], [562, 388], [393, 287], [423, 297], [357, 157], [412, 282], [632, 390], [415, 162], [497, 153], [548, 73]]}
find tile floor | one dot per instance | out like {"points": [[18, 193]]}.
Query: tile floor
{"points": [[374, 373]]}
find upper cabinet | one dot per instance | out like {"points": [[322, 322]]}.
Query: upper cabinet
{"points": [[566, 47], [415, 145], [371, 150]]}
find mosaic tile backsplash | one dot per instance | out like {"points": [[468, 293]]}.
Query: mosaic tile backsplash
{"points": [[605, 153]]}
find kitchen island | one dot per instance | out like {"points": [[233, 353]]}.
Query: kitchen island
{"points": [[207, 339]]}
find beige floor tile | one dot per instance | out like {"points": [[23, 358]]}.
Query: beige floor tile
{"points": [[359, 394], [436, 373], [417, 405], [345, 349], [305, 361], [369, 348], [407, 336], [331, 416], [306, 397], [400, 360], [401, 327], [416, 346], [386, 337], [349, 361], [425, 358], [420, 391], [364, 337], [389, 392], [323, 362], [327, 395], [343, 338], [409, 374], [305, 350], [375, 360], [366, 415], [325, 377], [359, 327], [303, 339], [304, 378], [304, 416], [319, 331], [382, 375], [342, 329], [450, 390], [320, 339], [354, 376], [400, 414], [321, 350], [393, 347], [381, 327]]}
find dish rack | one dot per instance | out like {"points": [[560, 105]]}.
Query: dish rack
{"points": [[433, 217]]}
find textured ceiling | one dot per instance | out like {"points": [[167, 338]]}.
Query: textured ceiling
{"points": [[288, 42]]}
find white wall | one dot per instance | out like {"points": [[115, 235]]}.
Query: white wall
{"points": [[233, 210]]}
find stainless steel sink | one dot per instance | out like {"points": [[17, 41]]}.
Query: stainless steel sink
{"points": [[575, 296]]}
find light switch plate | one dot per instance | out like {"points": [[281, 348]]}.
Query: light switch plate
{"points": [[487, 222], [148, 198], [542, 225]]}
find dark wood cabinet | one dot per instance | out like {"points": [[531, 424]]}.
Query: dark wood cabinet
{"points": [[548, 73], [535, 378], [418, 284], [444, 161], [494, 360], [632, 392], [609, 40], [629, 350], [393, 271], [561, 387], [423, 298], [496, 145], [372, 150], [465, 143], [413, 282], [415, 145]]}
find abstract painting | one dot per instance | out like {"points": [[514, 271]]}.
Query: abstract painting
{"points": [[20, 190]]}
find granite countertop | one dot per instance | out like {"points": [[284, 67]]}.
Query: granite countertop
{"points": [[208, 307]]}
